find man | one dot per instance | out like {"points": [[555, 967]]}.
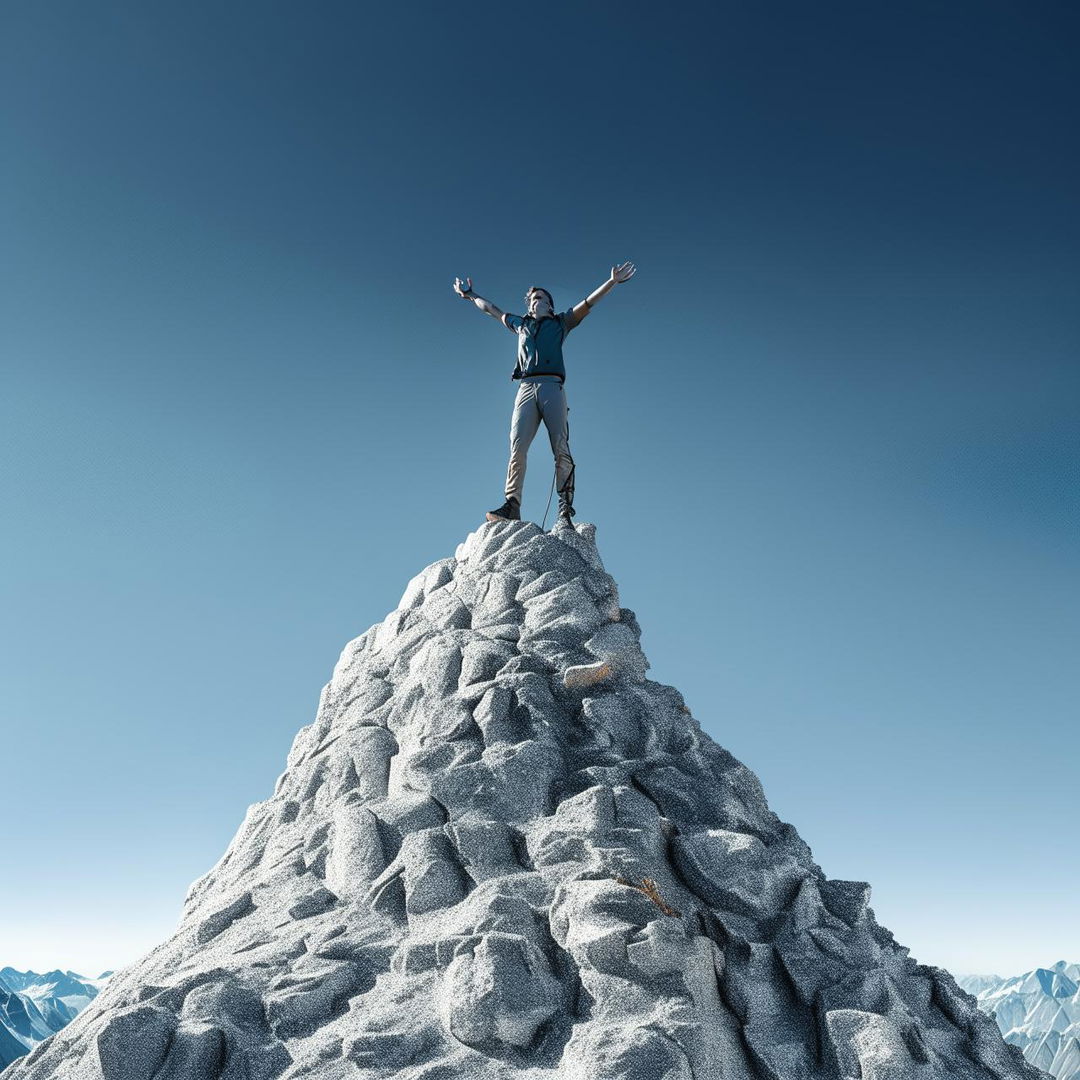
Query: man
{"points": [[540, 396]]}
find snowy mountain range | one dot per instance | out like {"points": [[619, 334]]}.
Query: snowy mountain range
{"points": [[33, 1006], [1038, 1012]]}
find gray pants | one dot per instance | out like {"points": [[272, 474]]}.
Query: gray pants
{"points": [[540, 399]]}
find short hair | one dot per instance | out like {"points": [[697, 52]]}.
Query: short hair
{"points": [[538, 288]]}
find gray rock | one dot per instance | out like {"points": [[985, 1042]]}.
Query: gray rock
{"points": [[736, 872], [501, 852], [133, 1042], [222, 919], [618, 645], [613, 1052], [197, 1049], [383, 1050], [868, 1047], [315, 902], [481, 660], [499, 992], [225, 1000], [433, 878], [484, 847], [494, 599], [298, 1005], [357, 854]]}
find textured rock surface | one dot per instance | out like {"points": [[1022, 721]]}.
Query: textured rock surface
{"points": [[501, 851]]}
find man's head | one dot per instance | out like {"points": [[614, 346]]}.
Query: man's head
{"points": [[540, 302]]}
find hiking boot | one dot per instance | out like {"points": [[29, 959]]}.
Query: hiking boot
{"points": [[509, 511], [566, 512]]}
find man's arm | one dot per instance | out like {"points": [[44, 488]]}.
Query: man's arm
{"points": [[464, 289], [619, 274]]}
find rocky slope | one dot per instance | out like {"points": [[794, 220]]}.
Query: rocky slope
{"points": [[1039, 1012], [500, 851]]}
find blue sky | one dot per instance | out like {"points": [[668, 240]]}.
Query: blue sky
{"points": [[827, 433]]}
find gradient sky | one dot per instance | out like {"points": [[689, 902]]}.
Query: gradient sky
{"points": [[828, 433]]}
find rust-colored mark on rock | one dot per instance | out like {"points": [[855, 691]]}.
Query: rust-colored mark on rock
{"points": [[577, 678]]}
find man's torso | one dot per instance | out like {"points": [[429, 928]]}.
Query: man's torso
{"points": [[540, 343]]}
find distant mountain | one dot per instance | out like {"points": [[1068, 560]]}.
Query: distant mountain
{"points": [[1039, 1012], [33, 1006]]}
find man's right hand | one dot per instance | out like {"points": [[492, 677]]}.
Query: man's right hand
{"points": [[464, 289]]}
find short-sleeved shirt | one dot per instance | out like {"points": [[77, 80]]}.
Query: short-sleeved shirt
{"points": [[540, 343]]}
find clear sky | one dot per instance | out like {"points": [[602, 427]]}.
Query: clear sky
{"points": [[828, 433]]}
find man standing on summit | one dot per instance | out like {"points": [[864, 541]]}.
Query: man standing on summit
{"points": [[540, 396]]}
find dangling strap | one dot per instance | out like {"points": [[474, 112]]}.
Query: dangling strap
{"points": [[567, 489]]}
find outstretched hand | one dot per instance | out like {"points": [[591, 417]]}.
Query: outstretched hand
{"points": [[463, 288], [619, 274]]}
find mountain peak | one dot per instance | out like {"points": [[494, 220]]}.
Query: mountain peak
{"points": [[501, 851], [1038, 1012]]}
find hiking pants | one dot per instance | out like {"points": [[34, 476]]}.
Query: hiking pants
{"points": [[540, 399]]}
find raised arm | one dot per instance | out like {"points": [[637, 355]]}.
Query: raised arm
{"points": [[619, 274], [464, 289]]}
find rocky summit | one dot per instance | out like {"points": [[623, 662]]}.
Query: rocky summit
{"points": [[501, 851]]}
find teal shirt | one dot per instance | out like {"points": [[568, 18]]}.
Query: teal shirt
{"points": [[540, 343]]}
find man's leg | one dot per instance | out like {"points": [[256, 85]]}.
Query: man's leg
{"points": [[556, 419], [523, 428]]}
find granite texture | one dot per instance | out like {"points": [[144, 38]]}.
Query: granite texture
{"points": [[501, 851]]}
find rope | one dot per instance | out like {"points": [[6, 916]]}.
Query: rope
{"points": [[568, 487], [550, 493]]}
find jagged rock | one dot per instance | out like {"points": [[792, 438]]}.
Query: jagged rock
{"points": [[737, 872], [498, 992], [612, 1052], [221, 920], [133, 1042], [500, 852], [868, 1046], [299, 1004], [617, 645], [383, 1050]]}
